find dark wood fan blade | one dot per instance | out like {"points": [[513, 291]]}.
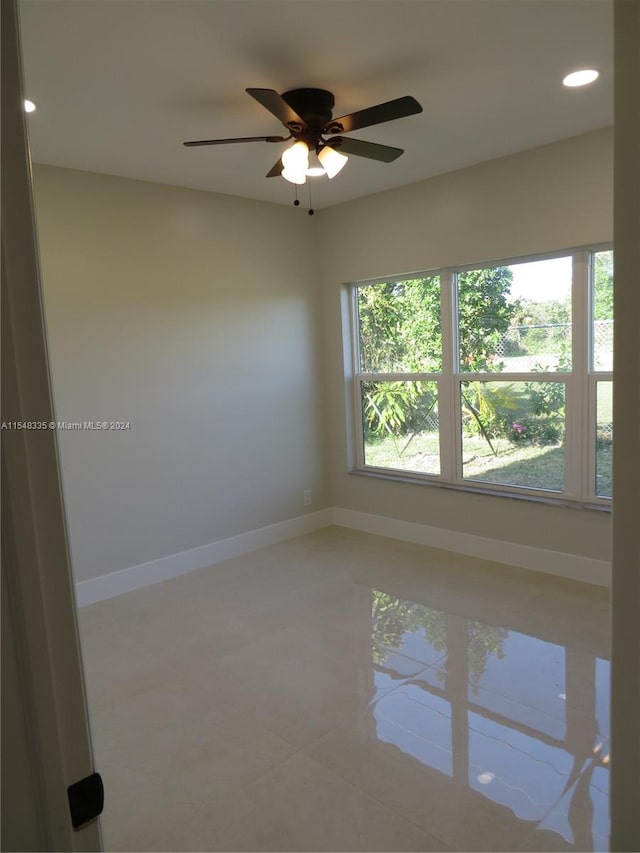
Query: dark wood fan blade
{"points": [[276, 105], [388, 111], [360, 148], [276, 170], [237, 139]]}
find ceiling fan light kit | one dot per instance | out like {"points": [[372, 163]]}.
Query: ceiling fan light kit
{"points": [[316, 169], [307, 116], [295, 161], [332, 160]]}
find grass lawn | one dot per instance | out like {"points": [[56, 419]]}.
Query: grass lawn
{"points": [[603, 471], [421, 454], [517, 464]]}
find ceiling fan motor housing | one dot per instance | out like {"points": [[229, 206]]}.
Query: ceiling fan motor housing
{"points": [[315, 107]]}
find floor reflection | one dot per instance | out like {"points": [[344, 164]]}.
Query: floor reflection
{"points": [[521, 720]]}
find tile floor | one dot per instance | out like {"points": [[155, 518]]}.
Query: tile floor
{"points": [[343, 692]]}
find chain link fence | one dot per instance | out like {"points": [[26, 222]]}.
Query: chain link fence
{"points": [[548, 347], [603, 344]]}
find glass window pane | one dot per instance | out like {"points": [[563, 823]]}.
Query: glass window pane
{"points": [[400, 426], [604, 437], [399, 326], [516, 318], [602, 328], [513, 433]]}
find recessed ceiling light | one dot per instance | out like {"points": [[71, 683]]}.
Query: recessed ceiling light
{"points": [[580, 78], [485, 778], [29, 106]]}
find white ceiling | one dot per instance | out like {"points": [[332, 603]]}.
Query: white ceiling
{"points": [[120, 84]]}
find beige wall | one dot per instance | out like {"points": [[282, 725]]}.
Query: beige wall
{"points": [[197, 317], [193, 316], [553, 197]]}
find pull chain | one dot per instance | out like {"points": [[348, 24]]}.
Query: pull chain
{"points": [[296, 202]]}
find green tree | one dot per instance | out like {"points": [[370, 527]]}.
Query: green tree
{"points": [[533, 313], [484, 408], [400, 332], [603, 286], [483, 641], [400, 326], [542, 328], [484, 315], [393, 618]]}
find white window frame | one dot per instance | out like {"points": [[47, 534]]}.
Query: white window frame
{"points": [[580, 387]]}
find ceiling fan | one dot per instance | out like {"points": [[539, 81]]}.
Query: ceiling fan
{"points": [[306, 114]]}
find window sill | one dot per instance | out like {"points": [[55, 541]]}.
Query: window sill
{"points": [[485, 489]]}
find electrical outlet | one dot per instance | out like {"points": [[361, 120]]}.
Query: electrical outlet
{"points": [[306, 497]]}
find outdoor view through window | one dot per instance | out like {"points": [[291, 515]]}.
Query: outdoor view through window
{"points": [[499, 375]]}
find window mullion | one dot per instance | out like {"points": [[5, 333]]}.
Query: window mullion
{"points": [[577, 405], [449, 427], [356, 381], [590, 436]]}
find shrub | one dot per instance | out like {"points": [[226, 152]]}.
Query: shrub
{"points": [[538, 430]]}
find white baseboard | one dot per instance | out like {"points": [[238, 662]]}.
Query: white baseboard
{"points": [[558, 563], [145, 574]]}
